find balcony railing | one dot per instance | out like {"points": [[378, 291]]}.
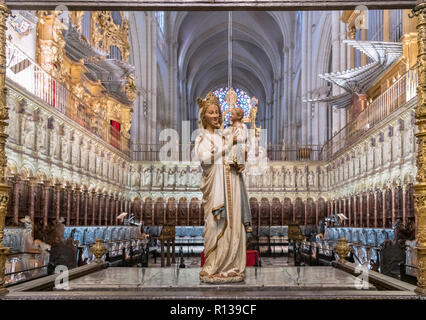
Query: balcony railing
{"points": [[26, 74], [396, 96], [184, 152]]}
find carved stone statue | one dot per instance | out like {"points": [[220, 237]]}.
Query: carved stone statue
{"points": [[65, 148], [287, 178], [311, 179], [28, 132], [300, 179], [171, 177], [182, 178], [41, 135], [159, 177], [147, 177], [75, 152], [135, 179], [277, 177], [267, 178], [54, 144]]}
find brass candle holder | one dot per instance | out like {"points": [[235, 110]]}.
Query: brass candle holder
{"points": [[98, 250], [342, 248]]}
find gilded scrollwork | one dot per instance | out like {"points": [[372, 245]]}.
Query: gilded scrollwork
{"points": [[420, 188], [4, 115], [105, 33], [130, 88]]}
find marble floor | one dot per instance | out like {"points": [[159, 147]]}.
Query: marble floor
{"points": [[258, 279], [194, 262]]}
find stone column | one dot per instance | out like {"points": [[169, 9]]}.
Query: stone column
{"points": [[384, 208], [306, 213], [420, 187], [187, 212], [328, 208], [404, 203], [117, 210], [32, 183], [101, 203], [46, 188], [360, 210], [355, 205], [77, 205], [86, 205], [344, 210], [112, 220], [107, 201], [393, 203], [58, 188], [375, 208], [94, 200], [350, 210], [4, 189], [316, 213], [68, 189], [368, 209], [16, 181]]}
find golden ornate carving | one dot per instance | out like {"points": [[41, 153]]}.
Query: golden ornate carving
{"points": [[98, 250], [342, 248], [130, 88], [231, 97], [4, 115], [105, 33], [50, 50], [75, 17], [420, 188]]}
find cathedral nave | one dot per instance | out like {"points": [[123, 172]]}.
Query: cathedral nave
{"points": [[101, 178]]}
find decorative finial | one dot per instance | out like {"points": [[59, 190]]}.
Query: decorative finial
{"points": [[231, 97]]}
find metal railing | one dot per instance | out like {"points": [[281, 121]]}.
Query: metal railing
{"points": [[184, 152], [278, 152], [28, 75], [396, 96]]}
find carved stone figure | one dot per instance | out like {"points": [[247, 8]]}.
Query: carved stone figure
{"points": [[28, 132], [311, 178], [65, 148], [183, 177], [92, 162], [41, 135], [170, 177], [267, 178], [300, 179], [159, 177], [54, 144], [135, 179], [288, 178], [277, 177], [147, 177]]}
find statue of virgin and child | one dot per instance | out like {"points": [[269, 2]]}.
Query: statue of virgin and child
{"points": [[227, 218]]}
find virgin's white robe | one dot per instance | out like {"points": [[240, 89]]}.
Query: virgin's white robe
{"points": [[224, 239]]}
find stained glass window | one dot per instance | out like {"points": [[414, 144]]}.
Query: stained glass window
{"points": [[243, 102]]}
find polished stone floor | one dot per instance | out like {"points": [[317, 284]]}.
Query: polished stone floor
{"points": [[263, 279], [194, 261]]}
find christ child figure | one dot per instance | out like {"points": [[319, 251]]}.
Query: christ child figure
{"points": [[237, 135]]}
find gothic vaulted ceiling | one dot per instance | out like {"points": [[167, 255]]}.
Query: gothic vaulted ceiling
{"points": [[258, 41]]}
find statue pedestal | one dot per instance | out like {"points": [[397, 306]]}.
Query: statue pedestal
{"points": [[252, 256]]}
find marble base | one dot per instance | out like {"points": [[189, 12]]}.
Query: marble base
{"points": [[221, 280], [256, 279]]}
